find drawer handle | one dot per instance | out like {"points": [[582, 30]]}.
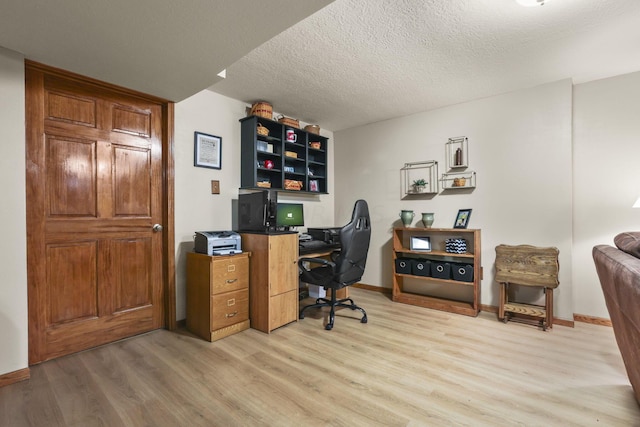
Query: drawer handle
{"points": [[235, 313], [231, 280]]}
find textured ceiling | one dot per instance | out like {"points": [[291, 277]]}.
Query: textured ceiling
{"points": [[356, 62], [167, 48]]}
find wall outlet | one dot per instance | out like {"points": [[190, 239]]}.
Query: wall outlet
{"points": [[215, 187]]}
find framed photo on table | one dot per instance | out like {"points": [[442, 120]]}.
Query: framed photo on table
{"points": [[462, 220], [207, 151]]}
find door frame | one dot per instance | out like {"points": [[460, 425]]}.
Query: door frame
{"points": [[168, 176]]}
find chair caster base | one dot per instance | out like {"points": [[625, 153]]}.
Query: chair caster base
{"points": [[364, 320], [328, 327]]}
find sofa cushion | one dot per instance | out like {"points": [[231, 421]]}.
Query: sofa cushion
{"points": [[629, 242]]}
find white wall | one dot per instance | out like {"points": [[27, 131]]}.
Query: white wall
{"points": [[13, 264], [606, 126], [196, 209], [520, 147]]}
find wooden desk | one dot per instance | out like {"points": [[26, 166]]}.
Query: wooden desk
{"points": [[326, 254]]}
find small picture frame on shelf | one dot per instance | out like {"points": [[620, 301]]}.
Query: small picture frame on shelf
{"points": [[420, 243], [462, 219], [207, 151], [313, 185]]}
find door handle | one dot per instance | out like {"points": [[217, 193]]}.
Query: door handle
{"points": [[156, 228]]}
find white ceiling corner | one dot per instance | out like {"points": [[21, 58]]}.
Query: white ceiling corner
{"points": [[166, 48]]}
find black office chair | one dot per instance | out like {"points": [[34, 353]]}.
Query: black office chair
{"points": [[346, 268]]}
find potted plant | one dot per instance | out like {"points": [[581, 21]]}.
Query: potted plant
{"points": [[419, 185]]}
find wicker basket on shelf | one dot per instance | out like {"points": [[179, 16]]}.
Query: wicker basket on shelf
{"points": [[459, 182], [288, 121], [262, 109], [292, 184], [262, 130], [312, 129]]}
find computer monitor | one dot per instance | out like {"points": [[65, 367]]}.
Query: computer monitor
{"points": [[289, 215]]}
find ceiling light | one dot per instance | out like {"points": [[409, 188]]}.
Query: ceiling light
{"points": [[529, 3]]}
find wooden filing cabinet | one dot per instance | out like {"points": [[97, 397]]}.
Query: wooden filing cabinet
{"points": [[217, 294], [273, 279]]}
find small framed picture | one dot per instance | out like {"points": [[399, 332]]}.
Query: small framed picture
{"points": [[462, 220], [207, 151], [420, 243], [314, 185]]}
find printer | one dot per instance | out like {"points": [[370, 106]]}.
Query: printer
{"points": [[217, 242]]}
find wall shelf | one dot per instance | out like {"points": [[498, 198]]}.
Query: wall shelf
{"points": [[458, 180], [457, 153], [270, 161], [427, 170]]}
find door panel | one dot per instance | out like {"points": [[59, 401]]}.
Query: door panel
{"points": [[132, 121], [95, 190], [70, 108], [131, 281], [72, 276], [71, 177], [132, 192]]}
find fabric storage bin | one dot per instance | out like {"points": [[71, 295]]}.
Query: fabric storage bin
{"points": [[404, 265], [441, 270], [421, 267], [462, 272], [456, 246]]}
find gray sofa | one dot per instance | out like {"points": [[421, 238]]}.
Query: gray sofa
{"points": [[619, 273]]}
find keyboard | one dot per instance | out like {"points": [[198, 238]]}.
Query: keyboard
{"points": [[309, 246]]}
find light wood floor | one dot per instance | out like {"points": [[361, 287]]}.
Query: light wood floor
{"points": [[407, 366]]}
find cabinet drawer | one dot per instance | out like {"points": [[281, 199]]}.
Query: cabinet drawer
{"points": [[230, 274], [229, 308]]}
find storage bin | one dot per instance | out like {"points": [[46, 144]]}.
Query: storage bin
{"points": [[462, 272], [421, 267], [456, 246], [404, 265], [441, 270]]}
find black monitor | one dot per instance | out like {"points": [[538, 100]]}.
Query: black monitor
{"points": [[289, 215], [253, 211]]}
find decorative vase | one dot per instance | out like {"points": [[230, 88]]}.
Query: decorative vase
{"points": [[406, 217], [427, 219]]}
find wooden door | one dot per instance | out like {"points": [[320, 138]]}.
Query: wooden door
{"points": [[94, 193], [283, 280], [283, 263]]}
